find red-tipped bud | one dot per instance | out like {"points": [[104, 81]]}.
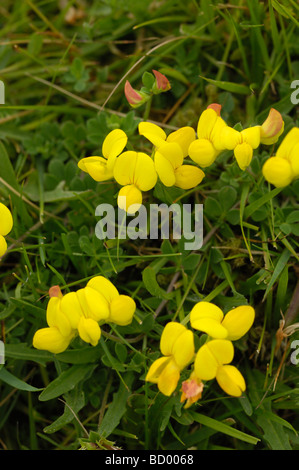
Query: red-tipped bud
{"points": [[161, 83], [217, 107], [272, 127], [135, 98], [55, 291]]}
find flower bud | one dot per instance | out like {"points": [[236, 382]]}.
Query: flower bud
{"points": [[161, 83], [135, 98], [272, 127]]}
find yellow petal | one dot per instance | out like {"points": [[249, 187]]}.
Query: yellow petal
{"points": [[152, 132], [96, 167], [207, 317], [114, 143], [124, 168], [169, 336], [145, 175], [205, 310], [173, 153], [238, 321], [230, 137], [129, 199], [243, 153], [252, 136], [278, 171], [212, 355], [164, 169], [71, 308], [206, 123], [188, 176], [3, 246], [231, 380], [104, 286], [89, 331], [6, 220], [294, 160], [56, 317], [202, 152], [286, 146], [169, 378], [216, 134], [122, 310], [184, 137], [93, 304], [156, 369], [183, 349], [50, 339], [98, 305]]}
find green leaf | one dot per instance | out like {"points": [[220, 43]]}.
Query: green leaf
{"points": [[117, 407], [223, 428], [66, 381], [151, 284], [14, 382], [280, 265], [229, 86], [74, 403]]}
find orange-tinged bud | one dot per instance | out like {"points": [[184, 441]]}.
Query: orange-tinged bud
{"points": [[134, 97], [272, 127], [55, 291], [161, 84], [217, 107]]}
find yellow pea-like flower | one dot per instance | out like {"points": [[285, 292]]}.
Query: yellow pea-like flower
{"points": [[100, 168], [136, 172], [81, 313], [121, 307], [6, 224], [213, 361], [242, 143], [210, 319], [177, 348], [208, 145]]}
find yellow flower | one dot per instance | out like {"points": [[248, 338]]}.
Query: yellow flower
{"points": [[210, 319], [169, 154], [121, 307], [101, 168], [283, 168], [213, 361], [135, 171], [6, 224], [177, 347], [272, 127], [156, 135], [171, 171], [208, 145], [81, 312], [242, 143]]}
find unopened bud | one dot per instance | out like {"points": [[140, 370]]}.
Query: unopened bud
{"points": [[272, 127], [161, 83], [135, 98], [217, 107]]}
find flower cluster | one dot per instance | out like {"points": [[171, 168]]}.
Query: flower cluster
{"points": [[211, 361], [81, 313], [179, 158], [6, 224]]}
